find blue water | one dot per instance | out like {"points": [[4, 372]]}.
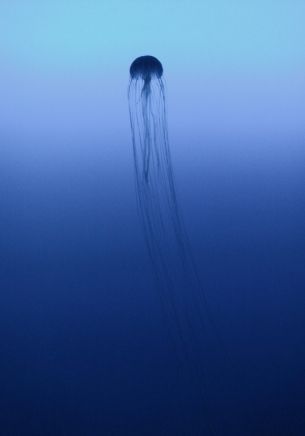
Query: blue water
{"points": [[83, 344]]}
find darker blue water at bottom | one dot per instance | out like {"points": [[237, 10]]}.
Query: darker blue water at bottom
{"points": [[85, 348]]}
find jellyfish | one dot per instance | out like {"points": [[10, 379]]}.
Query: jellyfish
{"points": [[177, 279]]}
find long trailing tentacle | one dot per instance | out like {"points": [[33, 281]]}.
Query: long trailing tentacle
{"points": [[178, 281]]}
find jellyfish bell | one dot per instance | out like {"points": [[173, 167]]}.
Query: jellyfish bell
{"points": [[146, 68]]}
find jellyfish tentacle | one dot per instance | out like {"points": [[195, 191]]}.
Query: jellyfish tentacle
{"points": [[175, 271]]}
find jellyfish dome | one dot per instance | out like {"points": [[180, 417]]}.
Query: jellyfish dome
{"points": [[146, 67]]}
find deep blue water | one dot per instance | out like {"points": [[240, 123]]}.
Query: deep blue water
{"points": [[83, 348]]}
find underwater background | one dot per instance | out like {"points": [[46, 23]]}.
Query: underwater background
{"points": [[83, 344]]}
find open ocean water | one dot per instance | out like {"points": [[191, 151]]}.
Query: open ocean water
{"points": [[85, 346]]}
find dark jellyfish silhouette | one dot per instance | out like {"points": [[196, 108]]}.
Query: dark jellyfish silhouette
{"points": [[177, 279], [146, 67]]}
